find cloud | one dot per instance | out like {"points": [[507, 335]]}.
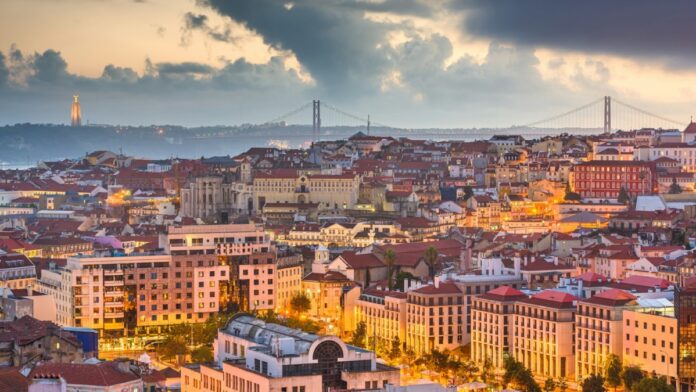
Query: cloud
{"points": [[185, 68], [50, 67], [193, 22], [657, 31], [344, 52]]}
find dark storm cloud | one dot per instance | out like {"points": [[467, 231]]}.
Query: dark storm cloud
{"points": [[344, 52], [50, 67], [402, 7], [194, 22], [185, 68], [659, 31]]}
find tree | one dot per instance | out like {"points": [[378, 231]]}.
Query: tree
{"points": [[395, 349], [487, 370], [430, 256], [593, 383], [613, 371], [517, 374], [674, 189], [359, 335], [630, 376], [300, 302], [623, 197], [389, 259], [549, 385], [570, 195], [562, 384], [652, 384], [467, 370], [468, 192], [172, 346], [202, 354], [401, 277]]}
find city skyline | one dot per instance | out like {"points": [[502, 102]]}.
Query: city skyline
{"points": [[408, 64]]}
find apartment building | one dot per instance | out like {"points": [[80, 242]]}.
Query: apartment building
{"points": [[651, 337], [289, 272], [599, 330], [604, 179], [253, 356], [435, 315], [491, 324], [222, 240], [543, 333], [384, 314], [682, 152], [16, 271], [685, 303], [138, 292]]}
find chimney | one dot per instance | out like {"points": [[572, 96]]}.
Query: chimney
{"points": [[30, 290], [436, 282]]}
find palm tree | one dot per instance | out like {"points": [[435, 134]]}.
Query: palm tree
{"points": [[389, 258], [430, 256]]}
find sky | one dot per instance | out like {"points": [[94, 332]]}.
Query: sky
{"points": [[406, 63]]}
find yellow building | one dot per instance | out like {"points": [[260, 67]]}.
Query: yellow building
{"points": [[325, 291], [543, 338], [384, 314], [435, 317], [330, 191], [289, 271], [491, 324], [599, 330]]}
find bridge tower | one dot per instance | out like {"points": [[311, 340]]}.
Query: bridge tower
{"points": [[607, 114], [316, 120]]}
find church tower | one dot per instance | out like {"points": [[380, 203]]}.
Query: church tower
{"points": [[75, 113]]}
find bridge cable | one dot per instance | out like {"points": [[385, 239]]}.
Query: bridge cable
{"points": [[559, 116]]}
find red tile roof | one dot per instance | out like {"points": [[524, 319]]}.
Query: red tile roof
{"points": [[504, 293], [361, 261], [11, 380], [642, 283], [612, 297], [441, 288], [101, 374], [553, 299]]}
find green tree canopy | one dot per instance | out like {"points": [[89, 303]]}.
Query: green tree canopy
{"points": [[593, 383], [359, 335], [300, 303], [630, 376], [652, 384], [674, 188], [623, 197], [613, 371]]}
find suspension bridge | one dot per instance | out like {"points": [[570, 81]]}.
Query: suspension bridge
{"points": [[605, 114]]}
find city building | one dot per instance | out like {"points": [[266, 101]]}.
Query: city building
{"points": [[16, 271], [599, 330], [543, 336], [331, 191], [251, 355], [605, 179], [491, 324]]}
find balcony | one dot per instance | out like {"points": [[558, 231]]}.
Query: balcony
{"points": [[112, 283], [113, 314]]}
